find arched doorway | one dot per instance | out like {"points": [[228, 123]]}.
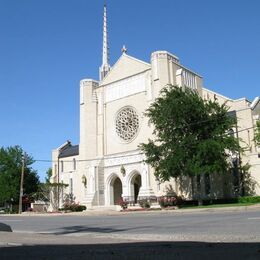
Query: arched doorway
{"points": [[136, 184], [114, 189], [117, 190]]}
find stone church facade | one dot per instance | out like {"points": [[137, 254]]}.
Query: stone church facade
{"points": [[107, 164]]}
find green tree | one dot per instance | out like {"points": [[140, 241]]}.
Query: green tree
{"points": [[10, 174], [190, 135], [48, 175], [257, 133], [248, 184]]}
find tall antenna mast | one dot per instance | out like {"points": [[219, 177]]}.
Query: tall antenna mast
{"points": [[105, 67]]}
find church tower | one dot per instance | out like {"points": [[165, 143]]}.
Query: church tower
{"points": [[105, 67]]}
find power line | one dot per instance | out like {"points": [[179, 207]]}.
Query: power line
{"points": [[210, 119], [88, 160], [120, 156], [242, 109], [113, 157], [123, 156], [245, 129]]}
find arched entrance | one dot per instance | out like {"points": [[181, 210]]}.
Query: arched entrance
{"points": [[136, 183], [114, 189], [117, 190]]}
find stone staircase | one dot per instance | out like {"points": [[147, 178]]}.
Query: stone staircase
{"points": [[89, 199], [105, 208]]}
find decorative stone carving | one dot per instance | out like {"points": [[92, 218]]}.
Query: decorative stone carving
{"points": [[125, 87], [127, 123], [123, 160], [186, 78], [84, 180]]}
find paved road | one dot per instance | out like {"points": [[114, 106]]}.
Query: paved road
{"points": [[156, 235], [154, 226]]}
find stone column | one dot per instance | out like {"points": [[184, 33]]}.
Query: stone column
{"points": [[145, 190]]}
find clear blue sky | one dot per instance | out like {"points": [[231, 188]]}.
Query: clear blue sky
{"points": [[48, 46]]}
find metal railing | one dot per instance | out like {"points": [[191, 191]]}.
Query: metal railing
{"points": [[132, 200]]}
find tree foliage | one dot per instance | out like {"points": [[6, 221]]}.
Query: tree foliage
{"points": [[190, 135], [248, 184], [10, 174], [48, 175], [257, 133]]}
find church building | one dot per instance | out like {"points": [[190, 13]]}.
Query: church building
{"points": [[107, 164]]}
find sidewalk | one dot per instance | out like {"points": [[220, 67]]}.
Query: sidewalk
{"points": [[32, 238], [31, 245], [98, 212]]}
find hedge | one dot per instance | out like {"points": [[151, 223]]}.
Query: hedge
{"points": [[249, 199]]}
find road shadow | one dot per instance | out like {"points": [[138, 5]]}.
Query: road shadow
{"points": [[140, 250], [5, 228], [85, 229]]}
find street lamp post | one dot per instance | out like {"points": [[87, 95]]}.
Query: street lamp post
{"points": [[21, 185], [11, 207]]}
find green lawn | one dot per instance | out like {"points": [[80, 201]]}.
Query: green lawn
{"points": [[219, 205]]}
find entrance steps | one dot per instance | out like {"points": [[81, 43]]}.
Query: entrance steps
{"points": [[137, 206], [89, 199], [105, 208]]}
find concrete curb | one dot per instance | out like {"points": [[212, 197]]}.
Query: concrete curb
{"points": [[114, 213], [221, 209]]}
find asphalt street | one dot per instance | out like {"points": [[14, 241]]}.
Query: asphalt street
{"points": [[145, 235], [200, 226]]}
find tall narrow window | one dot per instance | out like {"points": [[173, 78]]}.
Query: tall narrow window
{"points": [[71, 186], [198, 184], [62, 191], [74, 164], [207, 184], [62, 166], [235, 176]]}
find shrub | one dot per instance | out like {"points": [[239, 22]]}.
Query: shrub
{"points": [[249, 199], [170, 201], [123, 203], [72, 206], [80, 208], [144, 203]]}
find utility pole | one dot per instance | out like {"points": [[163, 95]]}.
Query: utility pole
{"points": [[21, 185]]}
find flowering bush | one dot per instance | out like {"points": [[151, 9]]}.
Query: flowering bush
{"points": [[123, 203], [72, 206], [169, 201], [144, 203]]}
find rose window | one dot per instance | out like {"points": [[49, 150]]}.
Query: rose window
{"points": [[127, 123]]}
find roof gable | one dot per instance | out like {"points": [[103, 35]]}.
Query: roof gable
{"points": [[72, 150], [126, 66], [255, 102], [255, 106]]}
